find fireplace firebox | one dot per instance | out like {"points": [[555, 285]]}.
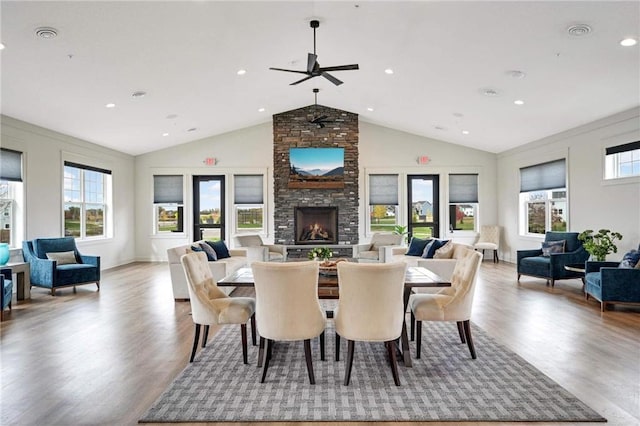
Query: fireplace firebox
{"points": [[316, 225]]}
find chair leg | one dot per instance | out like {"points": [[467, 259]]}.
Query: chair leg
{"points": [[413, 326], [337, 347], [243, 333], [260, 352], [519, 277], [418, 338], [467, 332], [603, 306], [461, 332], [495, 256], [482, 254], [265, 361], [322, 346], [74, 289], [347, 372], [205, 336], [307, 356], [98, 285], [253, 329], [195, 342], [392, 360], [53, 291]]}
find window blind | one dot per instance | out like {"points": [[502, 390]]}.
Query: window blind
{"points": [[85, 167], [248, 189], [463, 188], [167, 189], [10, 165], [383, 190], [631, 146], [551, 175]]}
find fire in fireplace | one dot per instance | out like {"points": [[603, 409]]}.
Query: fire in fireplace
{"points": [[316, 225]]}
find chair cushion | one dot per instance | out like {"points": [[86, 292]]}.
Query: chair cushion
{"points": [[416, 246], [42, 246], [486, 246], [536, 265], [371, 255], [630, 260], [220, 248], [211, 253], [549, 247], [275, 256], [76, 273], [63, 257]]}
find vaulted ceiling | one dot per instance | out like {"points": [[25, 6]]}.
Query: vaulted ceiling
{"points": [[457, 66]]}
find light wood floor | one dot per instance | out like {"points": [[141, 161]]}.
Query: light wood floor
{"points": [[103, 358]]}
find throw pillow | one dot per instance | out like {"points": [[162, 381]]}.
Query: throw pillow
{"points": [[63, 257], [550, 247], [630, 260], [445, 252], [416, 246], [222, 252], [196, 248], [430, 249], [211, 253]]}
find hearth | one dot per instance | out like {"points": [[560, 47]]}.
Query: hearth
{"points": [[316, 225]]}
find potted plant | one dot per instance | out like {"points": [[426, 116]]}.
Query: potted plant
{"points": [[322, 253], [600, 244], [401, 230]]}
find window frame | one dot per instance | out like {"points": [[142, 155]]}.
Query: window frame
{"points": [[475, 203], [370, 207], [612, 160], [163, 202], [237, 205]]}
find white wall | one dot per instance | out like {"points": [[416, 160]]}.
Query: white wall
{"points": [[44, 151], [593, 203]]}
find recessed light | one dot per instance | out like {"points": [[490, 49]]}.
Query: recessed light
{"points": [[110, 105], [628, 42], [369, 109], [172, 116], [165, 134], [492, 93], [138, 94], [46, 32], [193, 129], [440, 128], [458, 114], [516, 74], [518, 102], [465, 132], [241, 72], [388, 71], [1, 46], [260, 109]]}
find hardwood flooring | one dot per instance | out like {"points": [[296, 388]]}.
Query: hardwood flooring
{"points": [[104, 357]]}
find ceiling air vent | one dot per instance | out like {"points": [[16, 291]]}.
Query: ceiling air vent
{"points": [[46, 32], [579, 30]]}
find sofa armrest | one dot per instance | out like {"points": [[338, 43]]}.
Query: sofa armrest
{"points": [[398, 250], [386, 253], [595, 266], [357, 248], [90, 260], [239, 252], [6, 273], [257, 253], [278, 248]]}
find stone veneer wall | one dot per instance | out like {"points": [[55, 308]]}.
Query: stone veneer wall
{"points": [[292, 129]]}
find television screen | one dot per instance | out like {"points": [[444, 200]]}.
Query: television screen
{"points": [[316, 167]]}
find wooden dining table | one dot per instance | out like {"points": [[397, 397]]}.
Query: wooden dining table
{"points": [[328, 288]]}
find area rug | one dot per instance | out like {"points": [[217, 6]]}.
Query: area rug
{"points": [[444, 385]]}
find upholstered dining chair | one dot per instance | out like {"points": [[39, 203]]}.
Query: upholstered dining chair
{"points": [[370, 308], [287, 308], [211, 306], [451, 303], [489, 239]]}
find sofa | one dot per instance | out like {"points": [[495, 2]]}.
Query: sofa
{"points": [[56, 263], [443, 266], [219, 268]]}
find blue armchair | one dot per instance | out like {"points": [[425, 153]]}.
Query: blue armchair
{"points": [[532, 262], [609, 284], [7, 291], [55, 263]]}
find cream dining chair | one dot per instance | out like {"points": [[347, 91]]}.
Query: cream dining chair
{"points": [[287, 308], [370, 308], [451, 303], [489, 239], [211, 306]]}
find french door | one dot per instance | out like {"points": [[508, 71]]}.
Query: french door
{"points": [[423, 208], [208, 208]]}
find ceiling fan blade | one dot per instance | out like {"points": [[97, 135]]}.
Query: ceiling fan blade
{"points": [[332, 79], [311, 62], [317, 119], [282, 69], [340, 68], [300, 81]]}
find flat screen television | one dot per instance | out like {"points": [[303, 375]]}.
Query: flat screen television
{"points": [[316, 168]]}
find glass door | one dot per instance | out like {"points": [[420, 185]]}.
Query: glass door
{"points": [[424, 209], [208, 208]]}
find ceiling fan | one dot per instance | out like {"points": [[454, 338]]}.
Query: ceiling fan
{"points": [[313, 67], [321, 120]]}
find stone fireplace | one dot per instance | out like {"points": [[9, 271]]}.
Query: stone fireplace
{"points": [[316, 225], [293, 129]]}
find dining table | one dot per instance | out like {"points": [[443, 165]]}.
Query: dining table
{"points": [[328, 288]]}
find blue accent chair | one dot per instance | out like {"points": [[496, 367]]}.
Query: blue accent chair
{"points": [[7, 291], [611, 285], [551, 268], [47, 273]]}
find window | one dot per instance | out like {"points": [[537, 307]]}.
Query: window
{"points": [[168, 203], [383, 203], [424, 205], [622, 161], [543, 198], [85, 200], [463, 202], [249, 203], [11, 196]]}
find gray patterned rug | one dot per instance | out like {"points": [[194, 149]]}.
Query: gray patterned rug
{"points": [[444, 385]]}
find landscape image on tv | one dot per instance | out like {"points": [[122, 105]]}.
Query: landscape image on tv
{"points": [[316, 167]]}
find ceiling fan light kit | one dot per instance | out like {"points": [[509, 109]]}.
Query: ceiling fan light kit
{"points": [[313, 66]]}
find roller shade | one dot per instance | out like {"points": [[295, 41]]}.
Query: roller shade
{"points": [[631, 146], [167, 189], [383, 190], [551, 175], [10, 165], [463, 188], [85, 167], [248, 189]]}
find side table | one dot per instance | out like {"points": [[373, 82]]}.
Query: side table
{"points": [[23, 282]]}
